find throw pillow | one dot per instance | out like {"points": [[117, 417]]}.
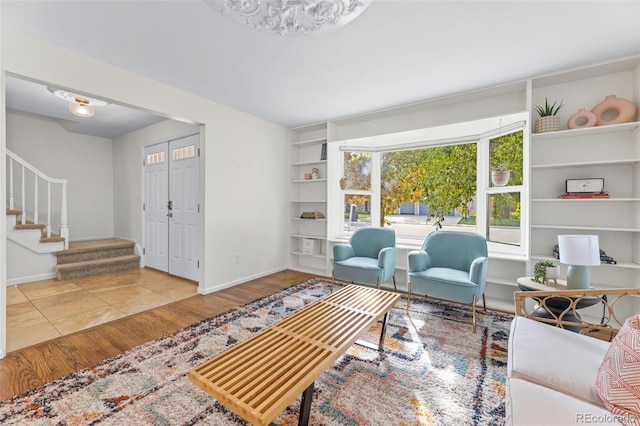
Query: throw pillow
{"points": [[618, 380]]}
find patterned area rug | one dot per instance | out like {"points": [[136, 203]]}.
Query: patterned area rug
{"points": [[434, 371]]}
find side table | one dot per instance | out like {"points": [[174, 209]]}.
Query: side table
{"points": [[557, 305]]}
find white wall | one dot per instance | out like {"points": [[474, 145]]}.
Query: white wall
{"points": [[244, 195], [86, 161], [23, 265]]}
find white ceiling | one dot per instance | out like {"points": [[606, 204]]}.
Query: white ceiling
{"points": [[396, 52]]}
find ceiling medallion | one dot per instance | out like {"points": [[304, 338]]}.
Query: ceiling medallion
{"points": [[80, 105], [291, 17]]}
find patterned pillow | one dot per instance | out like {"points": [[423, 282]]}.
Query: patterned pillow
{"points": [[618, 380]]}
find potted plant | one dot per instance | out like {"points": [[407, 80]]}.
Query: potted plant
{"points": [[549, 120], [544, 271], [343, 183], [500, 175]]}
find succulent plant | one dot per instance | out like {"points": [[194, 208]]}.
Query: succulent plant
{"points": [[548, 110]]}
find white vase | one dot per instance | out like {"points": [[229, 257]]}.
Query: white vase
{"points": [[553, 273], [500, 177]]}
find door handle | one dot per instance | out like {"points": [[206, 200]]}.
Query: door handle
{"points": [[170, 205], [169, 214]]}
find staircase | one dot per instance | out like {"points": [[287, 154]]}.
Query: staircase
{"points": [[32, 200], [95, 257], [32, 235]]}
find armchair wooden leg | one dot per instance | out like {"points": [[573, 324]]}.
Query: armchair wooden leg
{"points": [[473, 309], [484, 302], [378, 283], [394, 283]]}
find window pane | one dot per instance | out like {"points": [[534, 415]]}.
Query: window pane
{"points": [[357, 170], [504, 218], [505, 159], [357, 211], [422, 187]]}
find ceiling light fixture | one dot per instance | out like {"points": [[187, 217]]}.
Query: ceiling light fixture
{"points": [[291, 17], [80, 105]]}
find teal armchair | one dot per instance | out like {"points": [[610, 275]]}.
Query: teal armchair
{"points": [[369, 257], [452, 266]]}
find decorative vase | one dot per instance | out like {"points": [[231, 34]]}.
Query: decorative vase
{"points": [[582, 118], [315, 173], [549, 123], [500, 177], [343, 183], [552, 273], [614, 110]]}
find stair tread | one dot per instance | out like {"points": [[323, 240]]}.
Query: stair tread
{"points": [[112, 245], [105, 261], [51, 239], [30, 226], [14, 212]]}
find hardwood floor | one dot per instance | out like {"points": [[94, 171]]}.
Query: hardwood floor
{"points": [[39, 364]]}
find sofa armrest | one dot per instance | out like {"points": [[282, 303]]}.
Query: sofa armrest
{"points": [[531, 304], [418, 260], [478, 270], [342, 251], [387, 259]]}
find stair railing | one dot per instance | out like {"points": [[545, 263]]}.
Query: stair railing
{"points": [[27, 167]]}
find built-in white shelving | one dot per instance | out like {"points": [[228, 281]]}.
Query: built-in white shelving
{"points": [[611, 152], [308, 195]]}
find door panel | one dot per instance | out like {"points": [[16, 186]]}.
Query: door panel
{"points": [[183, 193], [156, 172], [172, 235]]}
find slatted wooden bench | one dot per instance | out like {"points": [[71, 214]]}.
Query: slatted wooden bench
{"points": [[261, 376]]}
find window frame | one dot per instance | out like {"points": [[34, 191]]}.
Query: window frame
{"points": [[478, 131]]}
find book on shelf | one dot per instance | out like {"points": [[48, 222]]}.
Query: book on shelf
{"points": [[311, 215], [323, 153], [604, 258], [585, 195]]}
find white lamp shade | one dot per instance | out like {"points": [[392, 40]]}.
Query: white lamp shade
{"points": [[579, 250]]}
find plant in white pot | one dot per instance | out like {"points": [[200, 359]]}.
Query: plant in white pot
{"points": [[500, 174], [544, 271], [549, 120]]}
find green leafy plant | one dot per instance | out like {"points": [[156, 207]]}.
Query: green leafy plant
{"points": [[502, 167], [540, 271], [548, 110]]}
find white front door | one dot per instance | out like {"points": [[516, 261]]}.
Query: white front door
{"points": [[156, 194], [184, 203], [172, 206]]}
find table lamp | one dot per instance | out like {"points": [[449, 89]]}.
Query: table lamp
{"points": [[579, 252]]}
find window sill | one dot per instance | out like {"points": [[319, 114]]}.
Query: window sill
{"points": [[408, 245]]}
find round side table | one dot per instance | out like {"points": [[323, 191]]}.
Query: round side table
{"points": [[557, 305]]}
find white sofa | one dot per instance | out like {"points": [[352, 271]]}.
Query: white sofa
{"points": [[551, 375], [551, 372]]}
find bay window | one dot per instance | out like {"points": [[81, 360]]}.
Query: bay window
{"points": [[467, 177]]}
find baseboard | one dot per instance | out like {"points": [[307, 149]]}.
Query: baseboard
{"points": [[32, 278], [228, 284]]}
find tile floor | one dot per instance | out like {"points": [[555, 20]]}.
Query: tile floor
{"points": [[44, 310]]}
